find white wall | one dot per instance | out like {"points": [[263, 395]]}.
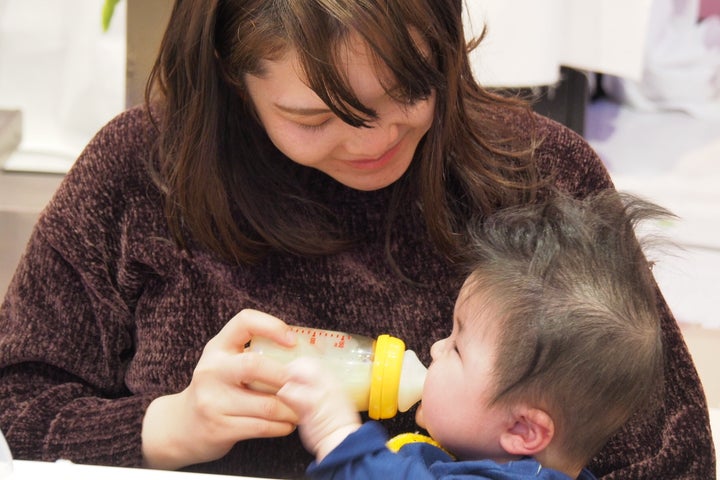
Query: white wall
{"points": [[62, 71]]}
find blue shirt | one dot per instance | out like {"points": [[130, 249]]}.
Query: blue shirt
{"points": [[363, 454]]}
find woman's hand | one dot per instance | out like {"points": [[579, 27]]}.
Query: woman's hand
{"points": [[217, 409], [326, 413]]}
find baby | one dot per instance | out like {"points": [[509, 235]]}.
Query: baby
{"points": [[555, 344]]}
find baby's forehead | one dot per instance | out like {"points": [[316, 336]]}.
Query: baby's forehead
{"points": [[477, 289], [477, 309]]}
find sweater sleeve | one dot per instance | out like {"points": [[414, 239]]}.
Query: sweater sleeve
{"points": [[675, 441], [66, 326]]}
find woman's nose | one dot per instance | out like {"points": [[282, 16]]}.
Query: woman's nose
{"points": [[373, 141]]}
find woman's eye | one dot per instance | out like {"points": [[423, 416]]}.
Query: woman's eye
{"points": [[412, 101], [409, 99], [313, 127]]}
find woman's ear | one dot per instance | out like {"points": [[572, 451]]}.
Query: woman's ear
{"points": [[531, 432]]}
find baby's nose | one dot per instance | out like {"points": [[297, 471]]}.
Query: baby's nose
{"points": [[436, 349]]}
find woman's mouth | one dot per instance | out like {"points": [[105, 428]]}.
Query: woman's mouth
{"points": [[376, 163]]}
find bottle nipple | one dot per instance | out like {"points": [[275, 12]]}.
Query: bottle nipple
{"points": [[412, 380]]}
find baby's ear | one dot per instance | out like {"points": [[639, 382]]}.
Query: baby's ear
{"points": [[531, 432]]}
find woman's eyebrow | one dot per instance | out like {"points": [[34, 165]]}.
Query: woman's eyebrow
{"points": [[302, 111]]}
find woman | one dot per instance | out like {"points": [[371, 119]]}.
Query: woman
{"points": [[312, 160]]}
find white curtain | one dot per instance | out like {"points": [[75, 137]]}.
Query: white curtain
{"points": [[64, 73], [528, 40], [682, 63]]}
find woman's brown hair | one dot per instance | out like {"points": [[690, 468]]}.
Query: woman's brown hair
{"points": [[229, 189]]}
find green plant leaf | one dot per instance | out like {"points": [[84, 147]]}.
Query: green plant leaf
{"points": [[107, 13]]}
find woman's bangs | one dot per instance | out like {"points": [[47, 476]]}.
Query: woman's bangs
{"points": [[406, 59], [409, 61]]}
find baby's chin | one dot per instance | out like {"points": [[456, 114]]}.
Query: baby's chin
{"points": [[419, 418]]}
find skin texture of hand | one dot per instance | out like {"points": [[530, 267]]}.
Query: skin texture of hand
{"points": [[326, 414], [217, 409]]}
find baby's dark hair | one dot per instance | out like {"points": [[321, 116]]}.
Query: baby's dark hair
{"points": [[580, 332]]}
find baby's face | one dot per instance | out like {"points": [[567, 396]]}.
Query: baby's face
{"points": [[459, 387]]}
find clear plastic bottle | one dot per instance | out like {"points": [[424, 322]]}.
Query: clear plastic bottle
{"points": [[380, 375]]}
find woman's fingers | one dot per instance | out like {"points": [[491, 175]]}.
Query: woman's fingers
{"points": [[252, 368], [220, 406], [178, 430], [249, 323], [226, 402], [263, 416]]}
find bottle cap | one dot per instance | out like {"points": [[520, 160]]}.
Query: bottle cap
{"points": [[385, 377]]}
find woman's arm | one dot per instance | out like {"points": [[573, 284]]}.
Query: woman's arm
{"points": [[106, 318], [61, 367], [62, 381]]}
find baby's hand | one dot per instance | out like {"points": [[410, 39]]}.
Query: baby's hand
{"points": [[326, 414]]}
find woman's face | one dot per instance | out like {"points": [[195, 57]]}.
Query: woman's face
{"points": [[303, 127]]}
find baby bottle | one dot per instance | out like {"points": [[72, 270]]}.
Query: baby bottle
{"points": [[379, 375]]}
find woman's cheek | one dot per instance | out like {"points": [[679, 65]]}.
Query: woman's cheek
{"points": [[304, 148]]}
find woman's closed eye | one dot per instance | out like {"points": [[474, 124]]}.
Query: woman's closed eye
{"points": [[409, 102], [313, 126]]}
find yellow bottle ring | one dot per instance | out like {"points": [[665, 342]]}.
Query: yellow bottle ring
{"points": [[385, 377]]}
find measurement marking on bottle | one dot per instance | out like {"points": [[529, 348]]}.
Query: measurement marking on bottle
{"points": [[315, 336]]}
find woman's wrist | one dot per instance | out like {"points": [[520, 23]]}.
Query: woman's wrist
{"points": [[159, 449]]}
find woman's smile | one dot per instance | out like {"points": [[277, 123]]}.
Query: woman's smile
{"points": [[376, 163]]}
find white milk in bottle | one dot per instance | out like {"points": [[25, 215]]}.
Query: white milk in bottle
{"points": [[379, 375]]}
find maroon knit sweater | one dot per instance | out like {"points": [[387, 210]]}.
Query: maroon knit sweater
{"points": [[105, 313]]}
